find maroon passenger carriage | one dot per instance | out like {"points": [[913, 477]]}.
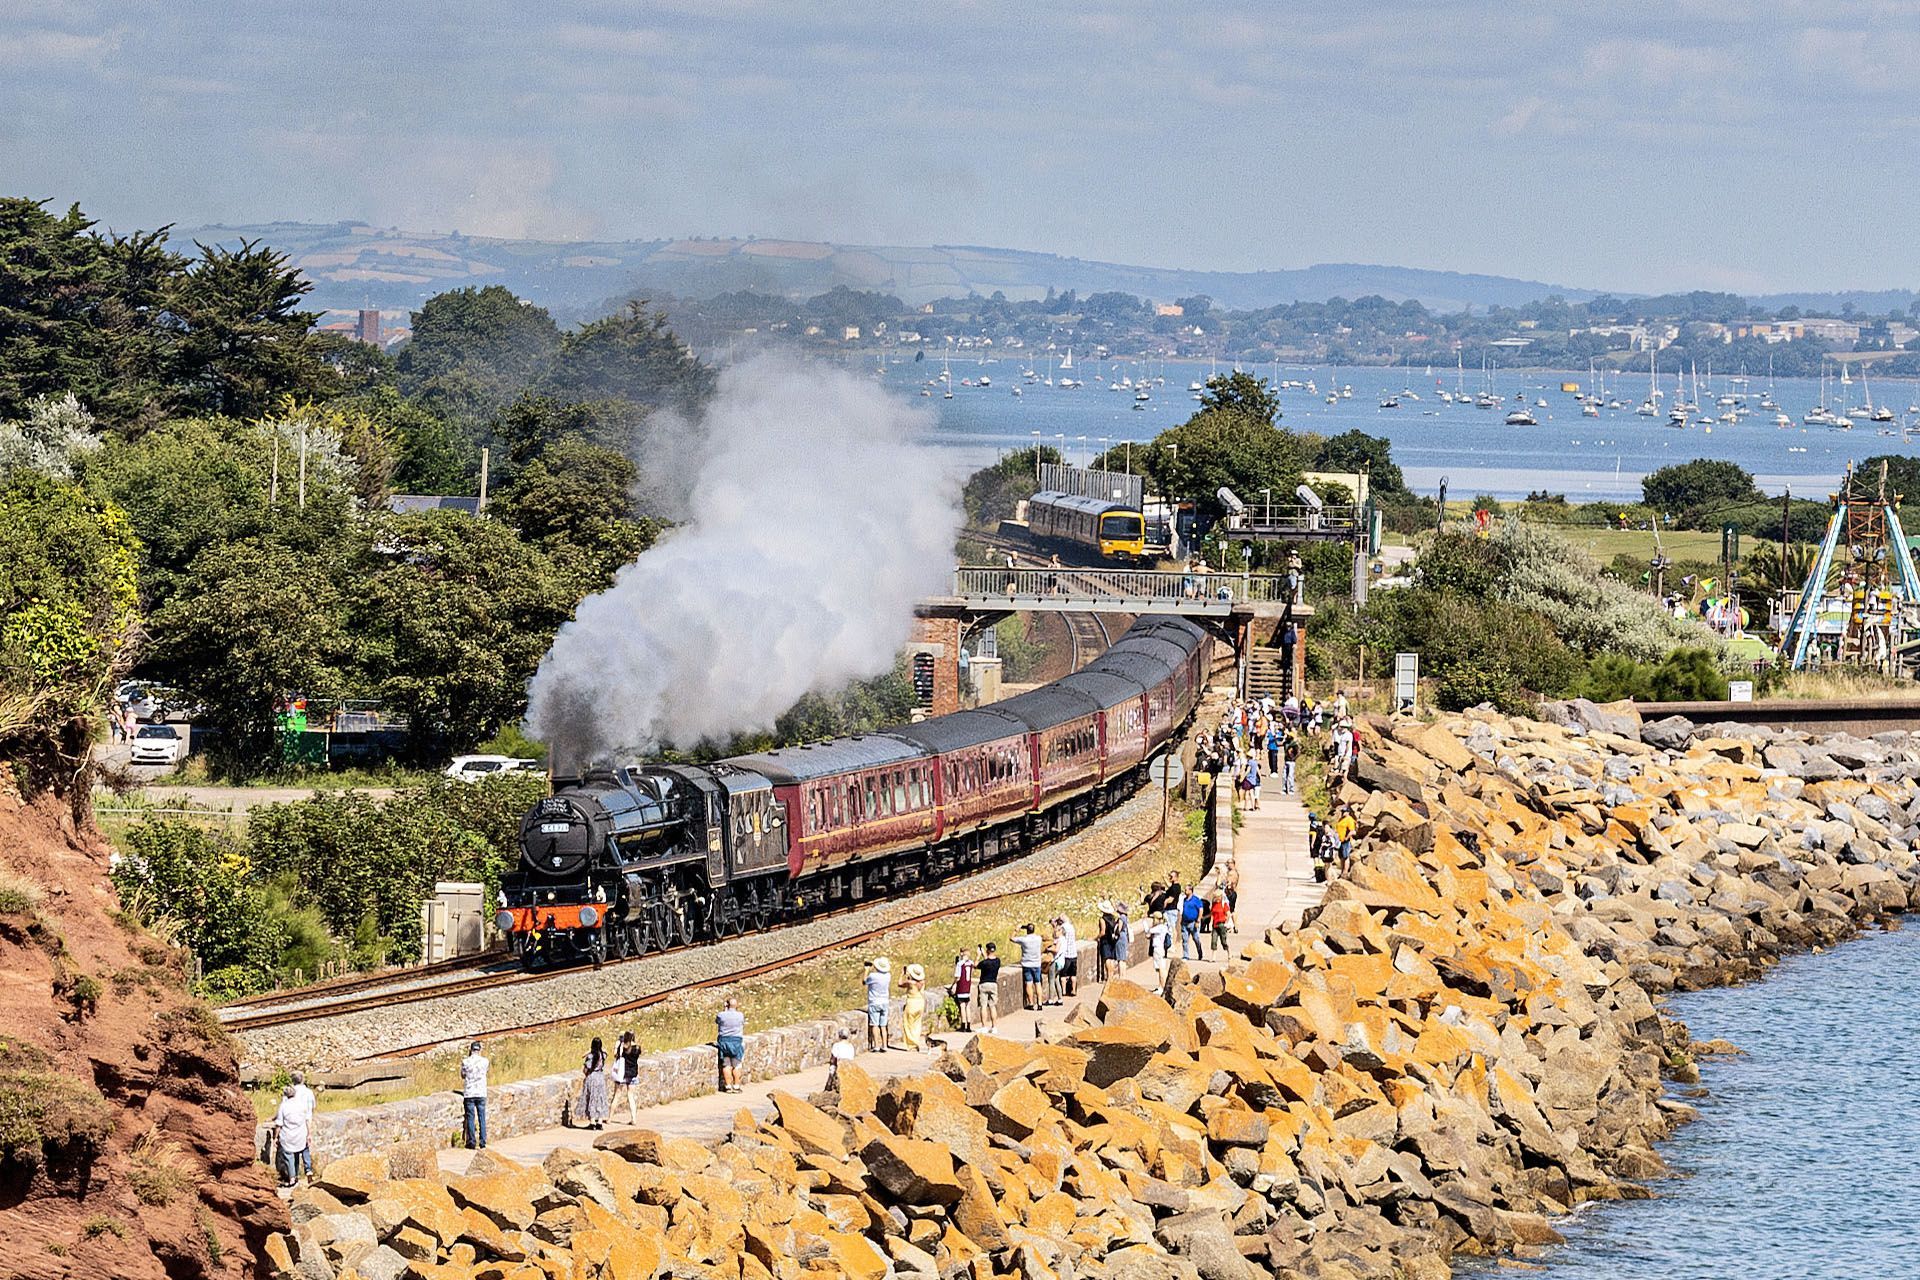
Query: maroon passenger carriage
{"points": [[621, 861]]}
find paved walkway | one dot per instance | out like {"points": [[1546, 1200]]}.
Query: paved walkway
{"points": [[1276, 884]]}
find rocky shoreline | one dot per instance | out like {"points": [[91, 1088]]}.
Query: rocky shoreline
{"points": [[1462, 1043]]}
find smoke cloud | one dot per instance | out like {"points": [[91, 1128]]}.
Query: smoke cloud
{"points": [[816, 515]]}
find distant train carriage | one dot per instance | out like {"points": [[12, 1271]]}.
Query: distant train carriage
{"points": [[1112, 530]]}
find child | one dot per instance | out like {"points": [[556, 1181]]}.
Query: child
{"points": [[963, 989]]}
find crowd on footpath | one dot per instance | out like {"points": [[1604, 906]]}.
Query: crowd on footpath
{"points": [[1259, 739]]}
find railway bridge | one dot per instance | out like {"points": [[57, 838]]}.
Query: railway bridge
{"points": [[1225, 603]]}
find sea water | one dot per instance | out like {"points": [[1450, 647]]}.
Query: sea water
{"points": [[1587, 459], [1805, 1159]]}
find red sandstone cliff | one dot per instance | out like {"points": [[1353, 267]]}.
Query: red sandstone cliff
{"points": [[126, 1145]]}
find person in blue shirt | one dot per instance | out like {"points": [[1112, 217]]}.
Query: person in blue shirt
{"points": [[1191, 913]]}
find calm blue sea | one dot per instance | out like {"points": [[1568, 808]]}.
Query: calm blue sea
{"points": [[1585, 458], [1803, 1162]]}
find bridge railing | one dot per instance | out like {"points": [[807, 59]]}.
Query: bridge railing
{"points": [[1120, 584], [1293, 519]]}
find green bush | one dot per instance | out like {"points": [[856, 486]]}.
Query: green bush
{"points": [[1684, 675]]}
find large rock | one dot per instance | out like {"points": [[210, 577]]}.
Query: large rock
{"points": [[1670, 733], [1116, 1052], [912, 1170], [1618, 718]]}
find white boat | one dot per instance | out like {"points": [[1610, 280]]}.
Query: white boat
{"points": [[985, 381], [1590, 410], [1333, 397], [1142, 394], [1522, 417], [1346, 393], [1782, 421], [1068, 362], [1390, 402]]}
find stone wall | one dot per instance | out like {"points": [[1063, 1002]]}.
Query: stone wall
{"points": [[528, 1106]]}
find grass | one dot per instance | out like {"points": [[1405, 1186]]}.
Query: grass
{"points": [[196, 772], [1678, 544], [157, 1169], [1839, 683], [101, 1225], [817, 989]]}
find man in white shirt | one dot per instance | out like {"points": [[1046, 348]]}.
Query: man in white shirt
{"points": [[473, 1092], [842, 1052], [290, 1122], [1031, 944], [304, 1096]]}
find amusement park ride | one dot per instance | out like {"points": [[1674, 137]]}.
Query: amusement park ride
{"points": [[1860, 605]]}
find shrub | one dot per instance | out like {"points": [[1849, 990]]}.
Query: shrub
{"points": [[45, 1115], [157, 1169], [1689, 675], [101, 1225]]}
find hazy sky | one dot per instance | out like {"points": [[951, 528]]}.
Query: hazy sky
{"points": [[1687, 143]]}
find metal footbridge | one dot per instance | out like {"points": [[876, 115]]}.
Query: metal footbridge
{"points": [[1208, 596]]}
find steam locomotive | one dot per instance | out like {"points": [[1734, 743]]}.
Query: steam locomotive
{"points": [[625, 860]]}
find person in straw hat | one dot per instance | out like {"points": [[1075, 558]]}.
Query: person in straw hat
{"points": [[879, 984], [913, 1010]]}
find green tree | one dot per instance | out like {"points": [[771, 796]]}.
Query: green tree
{"points": [[1243, 393], [474, 350], [178, 871], [450, 616], [1224, 447], [69, 613], [993, 494], [240, 343], [254, 621], [574, 500], [1704, 482], [81, 313], [631, 355], [1356, 451]]}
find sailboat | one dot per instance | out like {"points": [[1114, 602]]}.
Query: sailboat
{"points": [[1650, 407], [946, 378], [1767, 401]]}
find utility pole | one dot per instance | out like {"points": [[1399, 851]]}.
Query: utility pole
{"points": [[482, 508], [303, 466]]}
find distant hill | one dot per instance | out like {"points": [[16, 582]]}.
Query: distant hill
{"points": [[355, 265], [1868, 302]]}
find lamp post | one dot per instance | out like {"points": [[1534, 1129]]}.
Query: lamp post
{"points": [[1083, 450], [1269, 515], [1036, 456]]}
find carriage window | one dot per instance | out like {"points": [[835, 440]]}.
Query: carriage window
{"points": [[899, 793]]}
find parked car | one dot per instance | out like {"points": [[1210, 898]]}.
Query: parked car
{"points": [[473, 768], [159, 744], [139, 699]]}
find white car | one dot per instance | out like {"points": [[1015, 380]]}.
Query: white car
{"points": [[473, 768], [159, 744]]}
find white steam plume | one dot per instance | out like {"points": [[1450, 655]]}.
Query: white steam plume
{"points": [[816, 515]]}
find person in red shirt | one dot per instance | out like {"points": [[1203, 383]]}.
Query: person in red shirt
{"points": [[1220, 913]]}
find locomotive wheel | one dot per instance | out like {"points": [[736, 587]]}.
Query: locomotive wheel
{"points": [[617, 941], [663, 919], [636, 935], [598, 948]]}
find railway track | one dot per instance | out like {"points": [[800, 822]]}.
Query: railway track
{"points": [[360, 982], [366, 995], [786, 962]]}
